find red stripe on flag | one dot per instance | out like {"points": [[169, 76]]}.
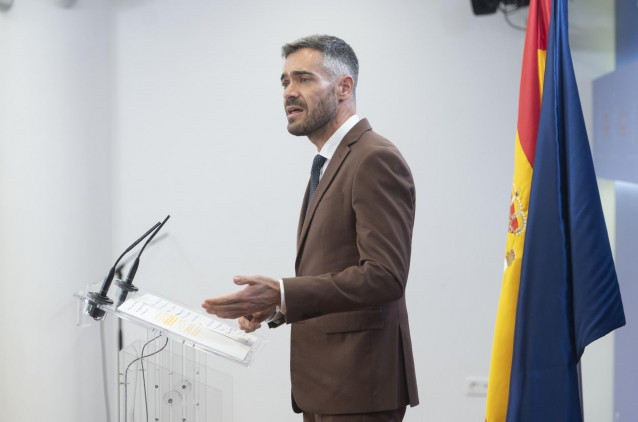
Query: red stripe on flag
{"points": [[530, 93]]}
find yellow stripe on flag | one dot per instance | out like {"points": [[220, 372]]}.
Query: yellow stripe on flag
{"points": [[501, 364], [531, 91]]}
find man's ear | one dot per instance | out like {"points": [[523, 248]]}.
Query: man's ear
{"points": [[345, 86]]}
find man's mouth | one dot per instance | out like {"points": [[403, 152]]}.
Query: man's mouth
{"points": [[293, 110]]}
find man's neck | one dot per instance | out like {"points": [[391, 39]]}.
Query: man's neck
{"points": [[321, 136]]}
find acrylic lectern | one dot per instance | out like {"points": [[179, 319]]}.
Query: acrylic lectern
{"points": [[170, 375]]}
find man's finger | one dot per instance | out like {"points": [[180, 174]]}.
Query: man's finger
{"points": [[241, 280], [247, 325], [218, 301], [228, 312]]}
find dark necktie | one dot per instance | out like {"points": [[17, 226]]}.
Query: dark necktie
{"points": [[317, 163]]}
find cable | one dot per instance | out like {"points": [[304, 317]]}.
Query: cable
{"points": [[126, 375], [106, 387], [507, 11], [513, 25], [144, 378]]}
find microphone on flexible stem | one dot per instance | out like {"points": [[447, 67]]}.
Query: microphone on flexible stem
{"points": [[101, 298], [127, 286], [119, 276], [120, 267]]}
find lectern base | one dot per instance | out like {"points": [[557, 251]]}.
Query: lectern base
{"points": [[165, 380]]}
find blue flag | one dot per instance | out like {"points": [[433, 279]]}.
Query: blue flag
{"points": [[569, 294]]}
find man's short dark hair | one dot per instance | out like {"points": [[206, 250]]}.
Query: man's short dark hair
{"points": [[338, 57]]}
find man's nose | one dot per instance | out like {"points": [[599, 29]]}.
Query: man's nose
{"points": [[290, 92]]}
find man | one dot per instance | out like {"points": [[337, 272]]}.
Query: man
{"points": [[351, 354]]}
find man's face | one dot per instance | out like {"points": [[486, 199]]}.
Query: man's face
{"points": [[309, 92]]}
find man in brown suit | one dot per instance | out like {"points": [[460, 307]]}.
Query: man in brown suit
{"points": [[351, 354]]}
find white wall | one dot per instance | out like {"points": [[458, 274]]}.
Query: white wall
{"points": [[55, 210]]}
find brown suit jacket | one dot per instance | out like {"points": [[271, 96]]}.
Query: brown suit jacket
{"points": [[350, 340]]}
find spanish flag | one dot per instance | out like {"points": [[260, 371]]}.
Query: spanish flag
{"points": [[560, 290]]}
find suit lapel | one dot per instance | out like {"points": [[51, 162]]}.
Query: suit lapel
{"points": [[302, 214], [334, 165]]}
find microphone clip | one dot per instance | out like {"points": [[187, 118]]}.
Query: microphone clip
{"points": [[95, 303]]}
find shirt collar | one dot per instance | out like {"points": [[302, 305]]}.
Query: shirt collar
{"points": [[333, 142]]}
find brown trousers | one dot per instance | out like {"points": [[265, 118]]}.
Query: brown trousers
{"points": [[388, 416]]}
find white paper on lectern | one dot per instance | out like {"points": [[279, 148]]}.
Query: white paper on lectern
{"points": [[191, 325]]}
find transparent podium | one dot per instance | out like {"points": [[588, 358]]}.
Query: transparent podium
{"points": [[170, 375]]}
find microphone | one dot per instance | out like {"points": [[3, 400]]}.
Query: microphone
{"points": [[101, 298], [127, 286], [119, 276], [120, 268]]}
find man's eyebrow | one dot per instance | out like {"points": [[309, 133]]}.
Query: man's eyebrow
{"points": [[296, 73]]}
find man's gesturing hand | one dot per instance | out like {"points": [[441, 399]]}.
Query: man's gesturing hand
{"points": [[260, 296], [250, 325]]}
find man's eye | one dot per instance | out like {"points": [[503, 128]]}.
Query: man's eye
{"points": [[305, 80], [284, 84]]}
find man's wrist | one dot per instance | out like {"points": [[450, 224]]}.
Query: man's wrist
{"points": [[273, 315]]}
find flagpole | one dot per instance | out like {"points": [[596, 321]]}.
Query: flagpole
{"points": [[580, 388]]}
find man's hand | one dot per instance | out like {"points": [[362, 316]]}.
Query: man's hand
{"points": [[258, 299], [250, 323]]}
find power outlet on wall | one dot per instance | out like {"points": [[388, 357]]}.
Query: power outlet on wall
{"points": [[476, 386]]}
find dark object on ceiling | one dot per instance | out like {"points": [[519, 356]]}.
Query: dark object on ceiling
{"points": [[487, 7]]}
